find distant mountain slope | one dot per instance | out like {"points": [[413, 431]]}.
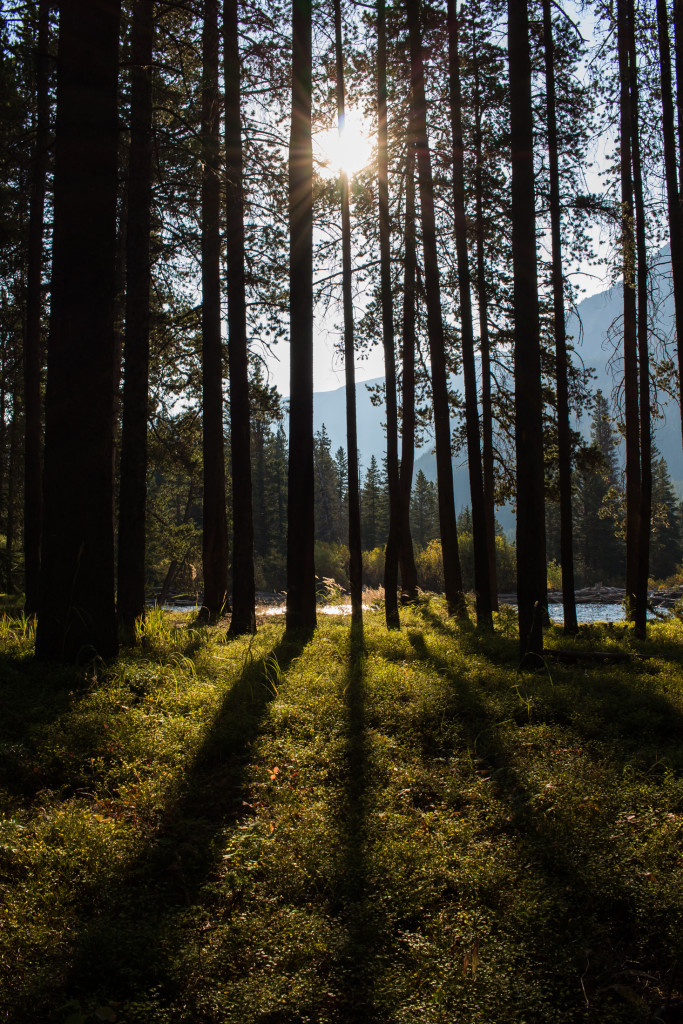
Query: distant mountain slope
{"points": [[589, 328]]}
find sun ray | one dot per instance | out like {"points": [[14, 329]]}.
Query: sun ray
{"points": [[349, 150]]}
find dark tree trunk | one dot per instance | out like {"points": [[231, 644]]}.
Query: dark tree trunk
{"points": [[133, 480], [678, 49], [631, 403], [77, 611], [482, 579], [14, 456], [391, 558], [645, 511], [531, 567], [243, 586], [563, 429], [484, 338], [671, 176], [300, 516], [355, 550], [455, 598], [33, 360], [215, 525], [409, 345]]}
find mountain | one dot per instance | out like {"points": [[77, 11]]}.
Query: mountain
{"points": [[596, 319]]}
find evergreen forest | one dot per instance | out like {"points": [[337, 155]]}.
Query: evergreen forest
{"points": [[286, 734]]}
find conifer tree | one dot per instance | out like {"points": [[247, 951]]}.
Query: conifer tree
{"points": [[301, 612], [76, 615]]}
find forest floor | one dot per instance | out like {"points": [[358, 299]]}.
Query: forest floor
{"points": [[353, 827]]}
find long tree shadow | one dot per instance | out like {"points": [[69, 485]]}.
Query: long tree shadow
{"points": [[126, 932], [592, 925], [351, 898], [32, 696]]}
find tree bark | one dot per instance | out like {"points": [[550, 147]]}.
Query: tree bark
{"points": [[33, 357], [645, 510], [531, 568], [243, 586], [631, 397], [482, 579], [678, 48], [563, 429], [76, 608], [353, 494], [133, 479], [484, 337], [671, 176], [409, 345], [14, 456], [215, 526], [391, 557], [301, 612], [455, 597]]}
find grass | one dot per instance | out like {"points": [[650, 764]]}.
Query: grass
{"points": [[349, 827]]}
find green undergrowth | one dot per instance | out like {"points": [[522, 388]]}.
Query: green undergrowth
{"points": [[354, 826]]}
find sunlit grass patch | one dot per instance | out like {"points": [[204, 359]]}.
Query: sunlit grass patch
{"points": [[386, 826]]}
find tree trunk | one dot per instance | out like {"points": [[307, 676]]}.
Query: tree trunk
{"points": [[355, 550], [678, 48], [482, 579], [484, 338], [243, 586], [391, 558], [215, 526], [671, 176], [631, 410], [33, 360], [531, 568], [455, 597], [76, 610], [14, 456], [301, 490], [409, 345], [563, 428], [645, 510], [133, 480]]}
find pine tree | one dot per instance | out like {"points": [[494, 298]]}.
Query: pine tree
{"points": [[424, 516], [301, 612], [666, 547], [76, 608]]}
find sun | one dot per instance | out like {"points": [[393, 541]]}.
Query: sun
{"points": [[348, 151]]}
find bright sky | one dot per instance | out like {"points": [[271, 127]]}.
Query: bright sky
{"points": [[352, 153]]}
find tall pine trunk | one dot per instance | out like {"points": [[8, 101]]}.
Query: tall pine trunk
{"points": [[645, 510], [671, 177], [455, 597], [631, 396], [563, 428], [243, 588], [408, 350], [678, 49], [133, 480], [482, 579], [353, 494], [531, 567], [484, 337], [301, 481], [33, 497], [215, 525], [76, 609], [391, 558]]}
